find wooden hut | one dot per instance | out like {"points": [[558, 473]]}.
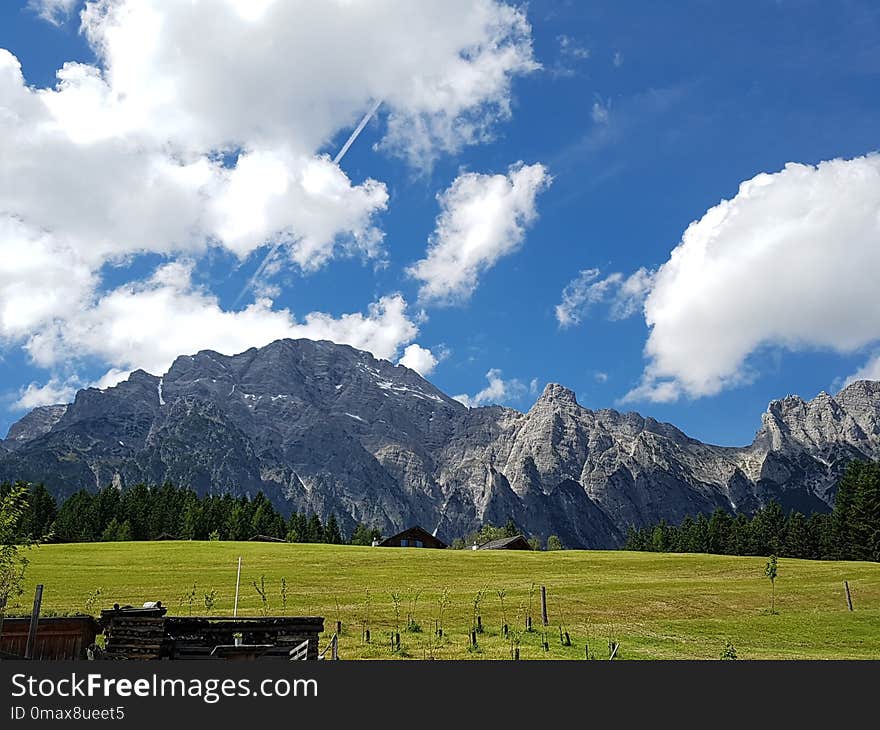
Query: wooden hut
{"points": [[66, 637], [413, 537], [517, 542]]}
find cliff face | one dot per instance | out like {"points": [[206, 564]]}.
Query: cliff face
{"points": [[35, 424], [327, 428]]}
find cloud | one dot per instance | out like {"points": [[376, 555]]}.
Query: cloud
{"points": [[261, 74], [618, 59], [41, 278], [568, 46], [571, 53], [420, 359], [869, 371], [624, 294], [174, 143], [114, 376], [601, 112], [482, 219], [789, 262], [308, 202], [600, 377], [497, 391], [54, 392], [630, 296], [108, 193], [53, 11], [146, 325]]}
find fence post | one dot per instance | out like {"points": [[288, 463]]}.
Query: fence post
{"points": [[544, 606], [848, 595], [334, 649], [237, 583], [35, 618]]}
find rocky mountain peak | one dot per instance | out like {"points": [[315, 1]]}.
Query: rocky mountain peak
{"points": [[556, 394], [329, 429], [37, 423], [850, 418]]}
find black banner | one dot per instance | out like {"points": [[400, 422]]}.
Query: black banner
{"points": [[553, 694]]}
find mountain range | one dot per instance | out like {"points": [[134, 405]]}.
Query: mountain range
{"points": [[326, 428]]}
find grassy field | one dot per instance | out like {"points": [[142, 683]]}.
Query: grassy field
{"points": [[657, 606]]}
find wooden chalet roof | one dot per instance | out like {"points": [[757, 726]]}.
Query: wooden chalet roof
{"points": [[517, 542], [413, 533]]}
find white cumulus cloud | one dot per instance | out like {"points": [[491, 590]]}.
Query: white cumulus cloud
{"points": [[418, 358], [791, 261], [869, 371], [146, 325], [257, 74], [498, 390], [54, 392], [482, 219]]}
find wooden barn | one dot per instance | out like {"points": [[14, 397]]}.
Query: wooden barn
{"points": [[413, 537], [518, 542]]}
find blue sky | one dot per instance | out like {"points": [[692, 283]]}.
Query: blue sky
{"points": [[645, 115]]}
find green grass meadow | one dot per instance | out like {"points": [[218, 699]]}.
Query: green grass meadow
{"points": [[658, 606]]}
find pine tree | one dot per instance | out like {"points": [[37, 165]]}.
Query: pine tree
{"points": [[105, 507], [821, 535], [719, 532], [136, 506], [638, 539], [332, 534], [865, 516], [240, 521], [684, 536], [314, 530], [76, 519], [660, 538], [743, 541], [798, 542], [364, 535], [841, 537], [111, 532], [167, 507], [192, 523], [39, 517], [768, 528], [298, 528], [266, 520], [700, 541], [124, 532]]}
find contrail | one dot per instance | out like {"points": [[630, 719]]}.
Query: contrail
{"points": [[339, 155], [360, 128]]}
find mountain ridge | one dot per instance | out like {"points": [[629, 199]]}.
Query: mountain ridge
{"points": [[327, 428]]}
